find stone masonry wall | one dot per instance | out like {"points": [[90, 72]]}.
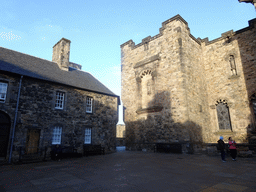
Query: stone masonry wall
{"points": [[37, 111], [167, 124], [234, 89], [186, 78]]}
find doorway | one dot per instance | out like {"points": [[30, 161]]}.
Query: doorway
{"points": [[33, 137], [5, 125]]}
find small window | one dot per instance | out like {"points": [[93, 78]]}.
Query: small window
{"points": [[89, 105], [59, 103], [56, 136], [88, 136], [3, 91]]}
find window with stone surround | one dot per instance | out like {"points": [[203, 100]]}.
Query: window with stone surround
{"points": [[87, 136], [3, 91], [56, 135], [146, 88], [59, 102], [89, 101], [223, 115], [232, 65]]}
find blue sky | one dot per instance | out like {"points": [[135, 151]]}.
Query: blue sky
{"points": [[97, 28]]}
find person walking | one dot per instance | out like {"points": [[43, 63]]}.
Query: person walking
{"points": [[232, 148], [221, 147]]}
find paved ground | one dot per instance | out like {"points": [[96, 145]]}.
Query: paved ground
{"points": [[132, 171]]}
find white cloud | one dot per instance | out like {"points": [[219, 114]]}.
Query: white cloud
{"points": [[9, 36]]}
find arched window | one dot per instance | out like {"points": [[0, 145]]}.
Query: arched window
{"points": [[223, 115], [146, 88]]}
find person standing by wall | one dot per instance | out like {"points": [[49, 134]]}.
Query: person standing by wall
{"points": [[221, 147], [232, 148]]}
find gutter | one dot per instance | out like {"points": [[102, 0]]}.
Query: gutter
{"points": [[15, 119]]}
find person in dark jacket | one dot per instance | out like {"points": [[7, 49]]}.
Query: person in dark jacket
{"points": [[221, 147], [57, 152]]}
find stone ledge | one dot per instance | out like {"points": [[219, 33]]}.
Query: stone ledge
{"points": [[149, 110], [234, 77], [225, 133], [146, 61]]}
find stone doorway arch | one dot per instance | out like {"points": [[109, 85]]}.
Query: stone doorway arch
{"points": [[5, 125]]}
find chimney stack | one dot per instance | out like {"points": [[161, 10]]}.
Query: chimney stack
{"points": [[61, 53]]}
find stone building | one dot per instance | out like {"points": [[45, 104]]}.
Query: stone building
{"points": [[120, 131], [179, 89], [120, 135], [45, 103]]}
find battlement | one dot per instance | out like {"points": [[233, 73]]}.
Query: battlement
{"points": [[131, 44], [230, 33], [224, 35]]}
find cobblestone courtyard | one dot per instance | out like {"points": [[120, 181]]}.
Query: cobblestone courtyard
{"points": [[132, 171]]}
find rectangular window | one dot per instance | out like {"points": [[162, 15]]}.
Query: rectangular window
{"points": [[3, 91], [89, 105], [88, 136], [56, 136], [59, 103]]}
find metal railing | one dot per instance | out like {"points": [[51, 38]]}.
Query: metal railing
{"points": [[32, 153]]}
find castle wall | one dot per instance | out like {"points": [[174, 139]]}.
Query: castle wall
{"points": [[189, 78], [147, 124], [222, 84]]}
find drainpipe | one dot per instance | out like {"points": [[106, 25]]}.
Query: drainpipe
{"points": [[15, 119]]}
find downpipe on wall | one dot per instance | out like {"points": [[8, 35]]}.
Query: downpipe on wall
{"points": [[15, 120]]}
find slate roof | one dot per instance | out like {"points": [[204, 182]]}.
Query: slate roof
{"points": [[26, 65]]}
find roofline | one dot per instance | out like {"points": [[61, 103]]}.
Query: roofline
{"points": [[119, 102]]}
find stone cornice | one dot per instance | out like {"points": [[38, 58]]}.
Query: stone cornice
{"points": [[149, 109], [146, 61]]}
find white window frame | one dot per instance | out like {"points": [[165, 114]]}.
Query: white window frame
{"points": [[88, 136], [3, 91], [89, 101], [59, 100], [56, 135]]}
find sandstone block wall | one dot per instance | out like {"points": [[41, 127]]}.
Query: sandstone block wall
{"points": [[120, 131], [172, 82]]}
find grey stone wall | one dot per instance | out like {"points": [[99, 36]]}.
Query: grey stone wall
{"points": [[37, 111]]}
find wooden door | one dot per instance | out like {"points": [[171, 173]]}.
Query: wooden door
{"points": [[5, 125], [32, 141]]}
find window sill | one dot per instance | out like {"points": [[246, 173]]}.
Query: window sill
{"points": [[229, 132], [149, 110], [233, 76], [58, 109]]}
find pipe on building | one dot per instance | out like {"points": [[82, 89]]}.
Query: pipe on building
{"points": [[15, 119]]}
